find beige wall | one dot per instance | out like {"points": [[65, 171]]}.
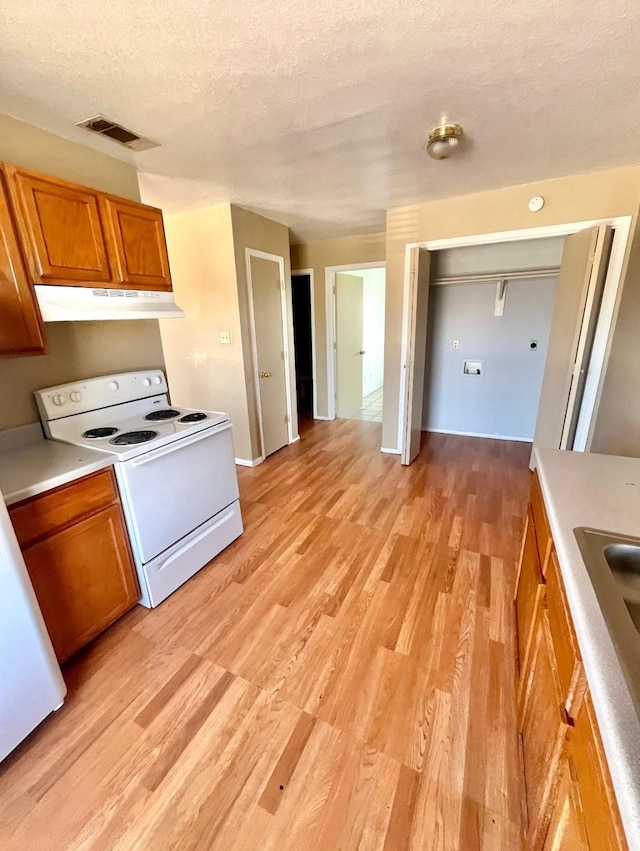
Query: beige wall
{"points": [[570, 199], [207, 256], [202, 371], [365, 248], [253, 231], [75, 349]]}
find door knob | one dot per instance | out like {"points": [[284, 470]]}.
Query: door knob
{"points": [[265, 374], [361, 352]]}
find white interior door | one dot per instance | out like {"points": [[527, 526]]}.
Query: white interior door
{"points": [[266, 290], [579, 292], [349, 351], [420, 262]]}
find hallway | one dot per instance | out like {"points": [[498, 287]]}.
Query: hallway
{"points": [[371, 408], [341, 677]]}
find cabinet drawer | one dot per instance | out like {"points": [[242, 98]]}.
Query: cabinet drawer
{"points": [[42, 515], [543, 530]]}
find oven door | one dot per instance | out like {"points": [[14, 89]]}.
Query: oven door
{"points": [[169, 492]]}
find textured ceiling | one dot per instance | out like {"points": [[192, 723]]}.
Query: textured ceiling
{"points": [[316, 113]]}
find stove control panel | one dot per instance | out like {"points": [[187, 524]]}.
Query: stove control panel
{"points": [[95, 393]]}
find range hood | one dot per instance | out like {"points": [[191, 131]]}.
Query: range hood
{"points": [[73, 304]]}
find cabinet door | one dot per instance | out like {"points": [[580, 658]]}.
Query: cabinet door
{"points": [[565, 644], [138, 245], [61, 229], [541, 523], [602, 819], [84, 579], [544, 730], [567, 831], [529, 591], [20, 328]]}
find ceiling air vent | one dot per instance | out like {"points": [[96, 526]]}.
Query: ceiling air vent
{"points": [[106, 127]]}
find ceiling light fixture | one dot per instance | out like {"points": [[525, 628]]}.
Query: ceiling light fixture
{"points": [[443, 141]]}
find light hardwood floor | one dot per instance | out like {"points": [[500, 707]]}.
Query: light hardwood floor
{"points": [[341, 677]]}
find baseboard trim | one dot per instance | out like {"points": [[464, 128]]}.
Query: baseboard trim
{"points": [[318, 417], [243, 462], [295, 439], [390, 451], [479, 434]]}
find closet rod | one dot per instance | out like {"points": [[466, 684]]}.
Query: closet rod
{"points": [[496, 276]]}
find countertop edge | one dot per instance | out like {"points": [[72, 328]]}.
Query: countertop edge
{"points": [[65, 478], [618, 721]]}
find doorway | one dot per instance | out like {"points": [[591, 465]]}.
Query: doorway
{"points": [[490, 312], [584, 310], [268, 313], [303, 340], [355, 319]]}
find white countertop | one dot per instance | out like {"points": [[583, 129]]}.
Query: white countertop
{"points": [[30, 465], [601, 492]]}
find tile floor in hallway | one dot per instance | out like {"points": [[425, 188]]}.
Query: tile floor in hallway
{"points": [[371, 408]]}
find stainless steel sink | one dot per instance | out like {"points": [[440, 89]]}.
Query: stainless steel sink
{"points": [[613, 565], [624, 562], [622, 557]]}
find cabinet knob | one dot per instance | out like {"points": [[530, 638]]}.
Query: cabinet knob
{"points": [[361, 352], [265, 374]]}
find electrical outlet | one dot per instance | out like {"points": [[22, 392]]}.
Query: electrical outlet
{"points": [[456, 344], [225, 337]]}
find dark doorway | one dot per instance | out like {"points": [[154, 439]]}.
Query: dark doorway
{"points": [[301, 295]]}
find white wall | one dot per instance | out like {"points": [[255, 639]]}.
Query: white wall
{"points": [[504, 400], [373, 328]]}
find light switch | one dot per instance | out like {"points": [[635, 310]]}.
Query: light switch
{"points": [[225, 337]]}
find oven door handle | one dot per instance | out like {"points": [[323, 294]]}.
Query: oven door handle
{"points": [[178, 444]]}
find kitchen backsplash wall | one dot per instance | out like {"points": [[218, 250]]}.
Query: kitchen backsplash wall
{"points": [[76, 349]]}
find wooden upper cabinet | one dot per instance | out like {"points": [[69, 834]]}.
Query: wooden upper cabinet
{"points": [[61, 229], [20, 326], [138, 245]]}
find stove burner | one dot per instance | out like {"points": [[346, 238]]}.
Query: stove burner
{"points": [[193, 418], [163, 414], [131, 437], [95, 433]]}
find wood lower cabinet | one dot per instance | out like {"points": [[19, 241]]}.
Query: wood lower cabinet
{"points": [[570, 803], [20, 325], [76, 549], [567, 828], [530, 590], [61, 228], [544, 729], [602, 821], [138, 244]]}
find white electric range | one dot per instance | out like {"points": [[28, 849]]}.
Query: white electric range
{"points": [[175, 469]]}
